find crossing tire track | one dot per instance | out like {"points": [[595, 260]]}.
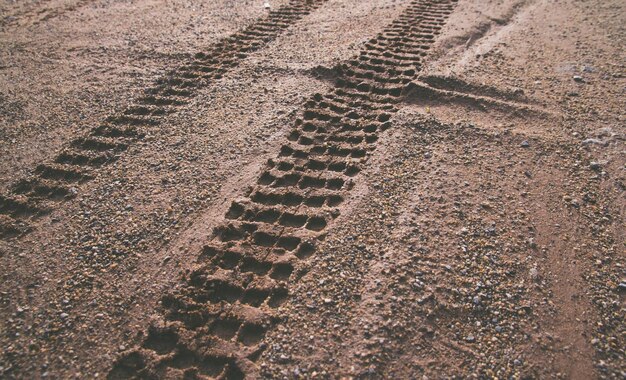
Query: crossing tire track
{"points": [[214, 322], [58, 180]]}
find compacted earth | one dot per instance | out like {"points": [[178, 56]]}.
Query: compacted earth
{"points": [[312, 189]]}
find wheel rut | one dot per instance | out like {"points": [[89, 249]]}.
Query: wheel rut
{"points": [[213, 324], [60, 179]]}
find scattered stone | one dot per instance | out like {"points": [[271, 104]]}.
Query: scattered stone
{"points": [[591, 141]]}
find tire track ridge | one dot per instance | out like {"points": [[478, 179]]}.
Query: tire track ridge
{"points": [[58, 179], [214, 322]]}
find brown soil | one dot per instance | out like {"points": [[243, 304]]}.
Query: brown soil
{"points": [[318, 189]]}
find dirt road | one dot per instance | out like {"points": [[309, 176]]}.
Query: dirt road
{"points": [[312, 189]]}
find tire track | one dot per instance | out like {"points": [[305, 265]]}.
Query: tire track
{"points": [[59, 179], [36, 16], [214, 323]]}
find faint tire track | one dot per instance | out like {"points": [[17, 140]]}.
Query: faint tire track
{"points": [[37, 15]]}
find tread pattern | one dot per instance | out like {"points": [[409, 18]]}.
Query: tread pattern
{"points": [[214, 323], [57, 180]]}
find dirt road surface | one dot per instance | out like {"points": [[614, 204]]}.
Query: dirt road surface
{"points": [[312, 189]]}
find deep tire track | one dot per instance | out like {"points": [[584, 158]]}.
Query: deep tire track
{"points": [[214, 323], [58, 180]]}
